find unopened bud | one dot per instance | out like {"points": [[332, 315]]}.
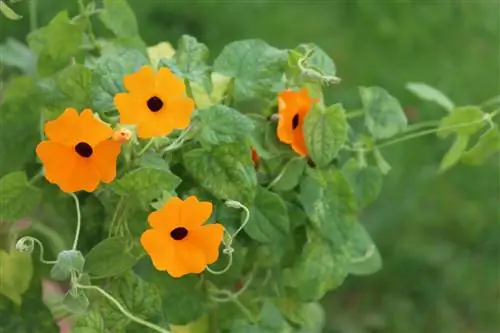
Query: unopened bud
{"points": [[122, 135]]}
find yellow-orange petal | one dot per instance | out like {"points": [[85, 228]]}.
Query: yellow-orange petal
{"points": [[208, 239], [287, 102], [304, 101], [104, 159], [298, 142], [167, 217], [141, 82], [168, 85], [195, 213], [159, 248], [130, 109], [65, 129], [188, 258], [284, 130], [58, 160], [84, 177], [179, 112], [155, 125], [93, 131]]}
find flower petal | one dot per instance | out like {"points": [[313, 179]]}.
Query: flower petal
{"points": [[58, 160], [65, 129], [208, 239], [195, 213], [168, 85], [130, 109], [93, 130], [154, 125], [189, 259], [159, 248], [284, 130], [104, 159], [179, 112], [141, 82], [84, 177], [298, 142], [168, 217]]}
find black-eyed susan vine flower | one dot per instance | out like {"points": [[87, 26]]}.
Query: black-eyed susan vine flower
{"points": [[178, 242], [293, 107], [155, 102], [79, 153]]}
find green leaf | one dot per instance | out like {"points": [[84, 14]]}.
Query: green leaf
{"points": [[222, 124], [309, 316], [465, 120], [384, 116], [16, 271], [112, 257], [291, 174], [9, 12], [363, 255], [57, 43], [207, 97], [75, 301], [74, 85], [268, 221], [109, 70], [16, 54], [487, 145], [18, 198], [226, 171], [256, 67], [429, 93], [146, 184], [325, 131], [381, 162], [119, 18], [317, 270], [139, 297], [182, 300], [330, 204], [90, 322], [67, 261], [366, 182], [191, 57], [19, 134], [454, 153], [33, 316], [319, 60]]}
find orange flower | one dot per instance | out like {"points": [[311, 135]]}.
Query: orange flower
{"points": [[78, 153], [122, 135], [293, 108], [178, 242], [255, 157], [156, 102]]}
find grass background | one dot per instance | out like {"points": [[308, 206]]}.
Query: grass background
{"points": [[439, 235]]}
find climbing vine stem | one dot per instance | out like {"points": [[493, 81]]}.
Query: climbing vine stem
{"points": [[122, 308], [78, 220]]}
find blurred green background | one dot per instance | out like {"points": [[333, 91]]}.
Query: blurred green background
{"points": [[439, 235]]}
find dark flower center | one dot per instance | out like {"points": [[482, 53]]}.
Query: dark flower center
{"points": [[84, 149], [155, 104], [179, 233], [295, 121]]}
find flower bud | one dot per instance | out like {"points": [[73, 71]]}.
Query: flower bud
{"points": [[122, 135]]}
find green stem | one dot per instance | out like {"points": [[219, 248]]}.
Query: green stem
{"points": [[33, 15], [492, 101], [422, 124], [146, 147], [282, 173], [177, 142], [78, 220], [36, 177], [487, 118], [123, 309], [355, 114]]}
